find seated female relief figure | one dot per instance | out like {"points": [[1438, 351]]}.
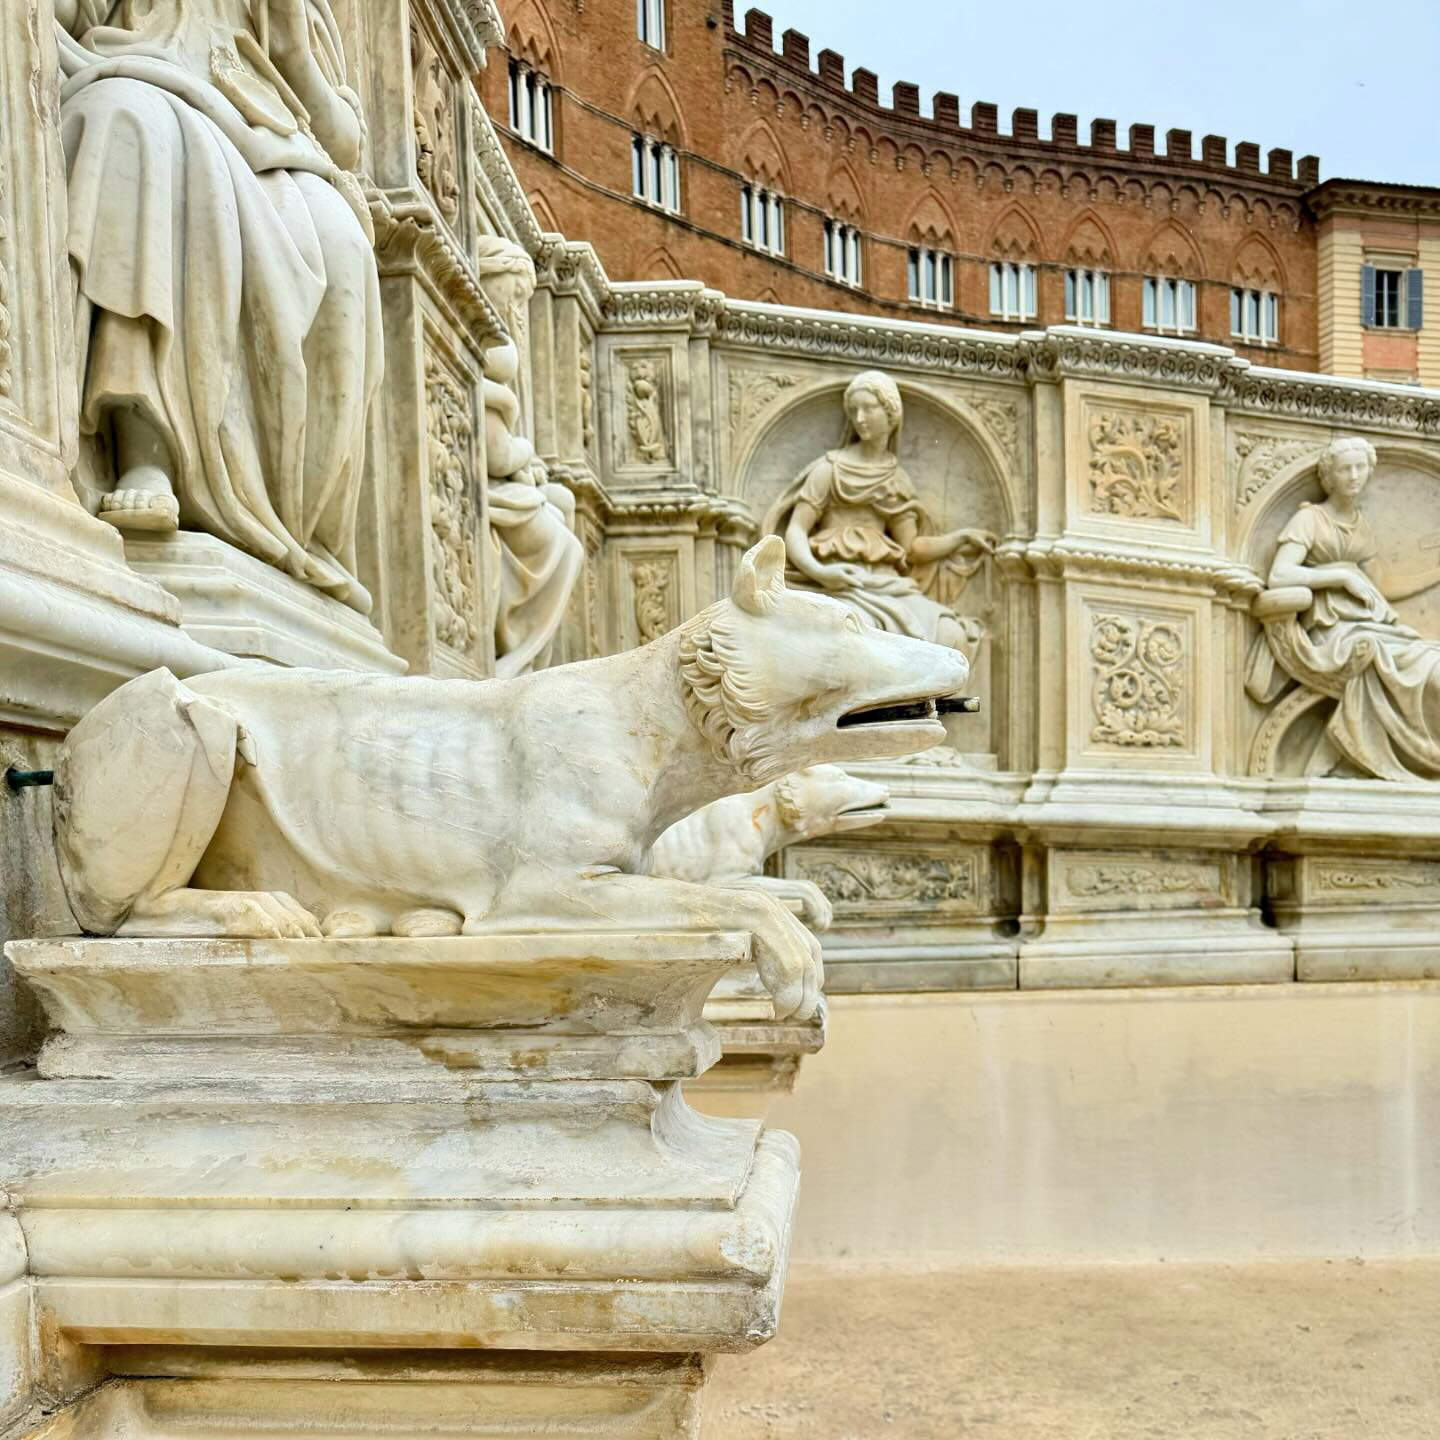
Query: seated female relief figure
{"points": [[226, 296], [854, 528], [1330, 627]]}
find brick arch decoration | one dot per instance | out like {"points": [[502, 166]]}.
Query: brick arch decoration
{"points": [[930, 222], [1013, 236], [1257, 264], [1171, 250], [843, 197], [659, 264], [758, 155], [654, 108], [544, 212], [1088, 242], [532, 38]]}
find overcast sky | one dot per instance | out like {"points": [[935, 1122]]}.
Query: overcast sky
{"points": [[1356, 84]]}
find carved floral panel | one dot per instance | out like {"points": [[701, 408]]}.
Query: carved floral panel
{"points": [[1092, 880], [752, 393], [436, 124], [1139, 463], [1259, 458], [456, 602], [1140, 666], [654, 586], [894, 882], [647, 433]]}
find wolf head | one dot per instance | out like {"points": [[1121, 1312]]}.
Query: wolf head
{"points": [[824, 799], [778, 679]]}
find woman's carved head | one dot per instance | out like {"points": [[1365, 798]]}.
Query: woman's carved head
{"points": [[1346, 465], [506, 271], [873, 406]]}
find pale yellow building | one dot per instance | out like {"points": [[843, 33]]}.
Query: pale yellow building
{"points": [[1379, 280]]}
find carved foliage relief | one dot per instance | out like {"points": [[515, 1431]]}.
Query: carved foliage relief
{"points": [[917, 884], [1260, 458], [1117, 880], [436, 147], [5, 301], [652, 581], [454, 517], [752, 393], [1139, 464], [1138, 680], [647, 429]]}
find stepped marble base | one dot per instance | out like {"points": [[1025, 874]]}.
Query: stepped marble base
{"points": [[235, 603], [470, 1155]]}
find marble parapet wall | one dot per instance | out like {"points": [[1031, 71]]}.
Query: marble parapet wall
{"points": [[1131, 808]]}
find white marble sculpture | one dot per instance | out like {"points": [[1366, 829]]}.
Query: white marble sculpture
{"points": [[227, 299], [1331, 628], [854, 527], [729, 841], [295, 803], [537, 557]]}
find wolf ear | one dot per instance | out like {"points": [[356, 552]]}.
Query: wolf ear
{"points": [[761, 576]]}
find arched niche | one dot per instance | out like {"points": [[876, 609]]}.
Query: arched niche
{"points": [[1402, 504], [959, 477], [952, 465]]}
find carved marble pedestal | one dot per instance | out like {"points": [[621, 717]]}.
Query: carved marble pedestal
{"points": [[337, 1188]]}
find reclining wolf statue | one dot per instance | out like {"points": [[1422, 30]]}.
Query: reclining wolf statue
{"points": [[728, 841], [299, 803]]}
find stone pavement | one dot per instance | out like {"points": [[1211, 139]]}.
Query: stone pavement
{"points": [[1315, 1350]]}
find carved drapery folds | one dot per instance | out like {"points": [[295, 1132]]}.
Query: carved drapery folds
{"points": [[5, 321]]}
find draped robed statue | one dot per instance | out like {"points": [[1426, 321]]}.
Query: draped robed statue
{"points": [[1331, 627], [854, 528], [227, 302]]}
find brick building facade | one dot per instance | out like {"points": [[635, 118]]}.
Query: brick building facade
{"points": [[700, 151]]}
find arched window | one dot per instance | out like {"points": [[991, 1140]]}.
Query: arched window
{"points": [[762, 217], [655, 172], [531, 107]]}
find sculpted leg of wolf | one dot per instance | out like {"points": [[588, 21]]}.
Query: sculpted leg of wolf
{"points": [[152, 766]]}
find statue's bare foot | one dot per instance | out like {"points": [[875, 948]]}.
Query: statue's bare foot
{"points": [[234, 914], [427, 924], [143, 500]]}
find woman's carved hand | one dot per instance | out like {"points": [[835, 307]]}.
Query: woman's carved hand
{"points": [[983, 541], [843, 576]]}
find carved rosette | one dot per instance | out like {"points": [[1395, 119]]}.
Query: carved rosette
{"points": [[1137, 681], [1137, 465], [454, 521]]}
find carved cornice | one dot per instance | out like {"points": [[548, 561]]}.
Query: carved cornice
{"points": [[721, 515], [1369, 197], [411, 240], [475, 25], [664, 305], [571, 267], [1066, 560], [814, 333], [1366, 404], [1064, 353], [498, 188]]}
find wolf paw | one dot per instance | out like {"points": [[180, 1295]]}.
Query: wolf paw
{"points": [[787, 956], [232, 914]]}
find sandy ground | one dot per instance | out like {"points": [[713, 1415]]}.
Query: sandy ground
{"points": [[1343, 1350]]}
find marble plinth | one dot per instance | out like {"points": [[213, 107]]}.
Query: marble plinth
{"points": [[240, 605], [466, 1154]]}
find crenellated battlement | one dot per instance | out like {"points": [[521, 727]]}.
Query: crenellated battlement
{"points": [[944, 123]]}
